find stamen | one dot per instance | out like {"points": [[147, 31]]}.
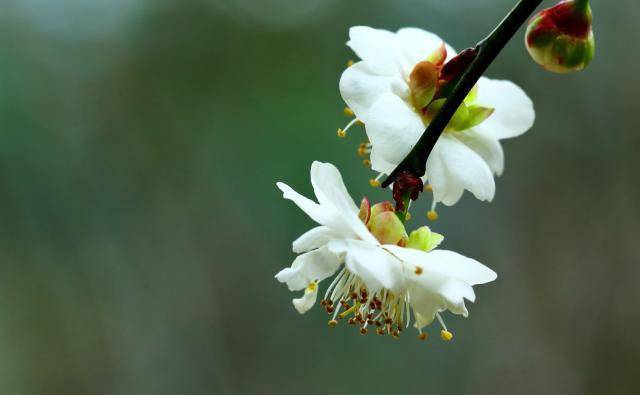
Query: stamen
{"points": [[428, 188], [387, 313], [350, 63], [446, 335], [348, 112], [362, 150], [432, 214], [349, 311], [343, 132], [408, 307], [444, 327], [375, 182], [333, 283]]}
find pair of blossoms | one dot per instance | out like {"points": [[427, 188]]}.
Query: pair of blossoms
{"points": [[388, 279]]}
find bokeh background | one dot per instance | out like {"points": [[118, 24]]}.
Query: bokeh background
{"points": [[140, 227]]}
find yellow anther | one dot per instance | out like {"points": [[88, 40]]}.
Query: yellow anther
{"points": [[348, 112], [432, 215], [333, 323], [374, 183], [446, 335], [341, 133], [349, 63], [418, 270], [347, 312], [312, 287], [428, 188], [362, 151], [423, 336], [408, 216], [366, 162]]}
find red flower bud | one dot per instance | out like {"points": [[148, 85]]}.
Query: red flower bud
{"points": [[560, 38]]}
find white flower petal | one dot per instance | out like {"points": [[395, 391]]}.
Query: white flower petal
{"points": [[438, 294], [376, 267], [393, 128], [316, 212], [379, 48], [454, 293], [419, 44], [329, 188], [487, 147], [447, 264], [426, 302], [314, 238], [360, 87], [513, 113], [379, 164], [453, 167], [324, 215], [331, 192], [306, 302], [309, 267]]}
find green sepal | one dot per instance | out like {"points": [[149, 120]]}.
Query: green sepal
{"points": [[475, 116], [423, 83], [424, 239], [461, 114]]}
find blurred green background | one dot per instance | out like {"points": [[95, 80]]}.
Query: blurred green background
{"points": [[140, 226]]}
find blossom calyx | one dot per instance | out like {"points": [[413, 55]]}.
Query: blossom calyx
{"points": [[405, 187], [560, 38], [424, 239]]}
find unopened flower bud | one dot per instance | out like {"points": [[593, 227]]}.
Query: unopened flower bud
{"points": [[560, 38], [387, 228], [380, 208]]}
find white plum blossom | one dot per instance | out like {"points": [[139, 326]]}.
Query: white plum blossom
{"points": [[397, 88], [384, 276]]}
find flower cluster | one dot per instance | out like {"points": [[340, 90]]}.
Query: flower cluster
{"points": [[381, 277]]}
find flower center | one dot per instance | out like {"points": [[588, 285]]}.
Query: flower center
{"points": [[349, 298], [430, 83]]}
